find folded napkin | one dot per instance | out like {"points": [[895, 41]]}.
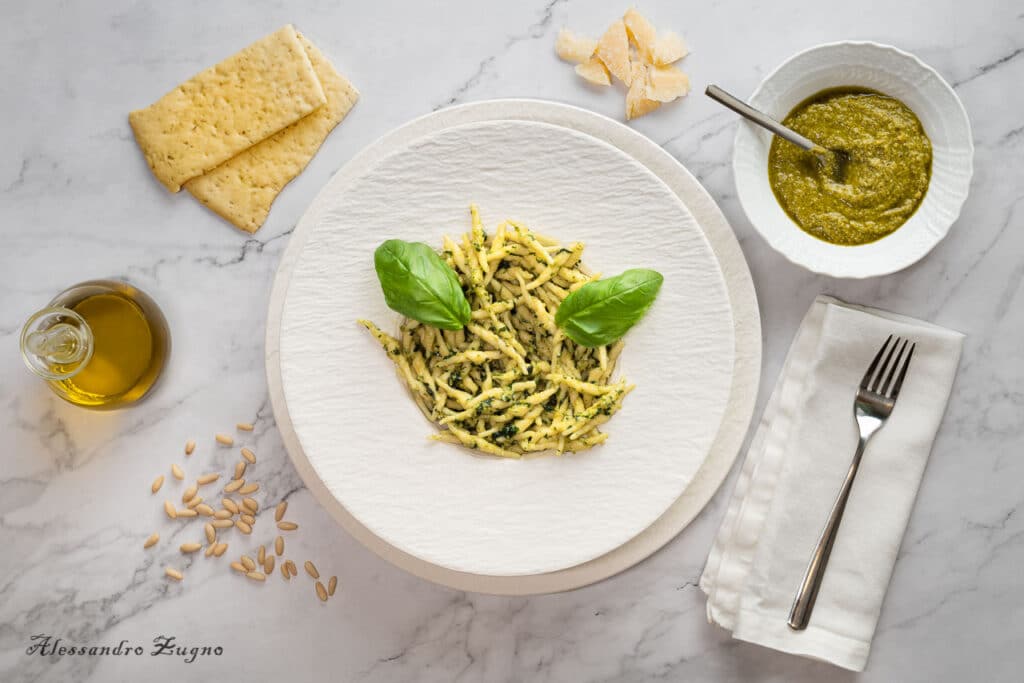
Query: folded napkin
{"points": [[796, 464]]}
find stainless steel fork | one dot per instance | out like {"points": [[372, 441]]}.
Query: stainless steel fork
{"points": [[874, 403]]}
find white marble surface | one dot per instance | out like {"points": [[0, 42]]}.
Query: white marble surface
{"points": [[76, 201]]}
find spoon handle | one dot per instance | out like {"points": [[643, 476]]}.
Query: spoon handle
{"points": [[763, 120]]}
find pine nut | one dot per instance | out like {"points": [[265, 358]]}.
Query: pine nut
{"points": [[187, 512], [169, 509], [280, 510], [247, 518], [178, 473], [190, 547], [261, 555], [211, 533], [222, 514], [287, 526], [268, 564], [204, 509], [190, 446], [332, 584], [249, 488], [291, 568], [151, 541], [224, 440], [239, 469], [245, 426], [230, 505], [194, 503], [234, 485], [209, 550], [243, 527], [248, 563], [251, 504], [311, 569], [279, 545], [222, 524], [238, 567], [190, 493], [157, 483], [208, 478], [284, 571], [173, 573], [249, 455], [220, 549], [257, 576], [321, 592]]}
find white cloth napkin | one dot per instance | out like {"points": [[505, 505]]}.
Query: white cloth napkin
{"points": [[797, 461]]}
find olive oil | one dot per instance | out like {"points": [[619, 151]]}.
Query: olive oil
{"points": [[100, 344]]}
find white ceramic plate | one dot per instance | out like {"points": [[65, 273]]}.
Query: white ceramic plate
{"points": [[747, 333], [890, 71], [366, 440]]}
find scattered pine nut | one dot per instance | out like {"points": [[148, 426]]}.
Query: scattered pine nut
{"points": [[311, 569], [239, 469], [222, 524], [209, 550], [178, 473], [251, 505], [222, 514], [321, 592], [245, 426], [291, 568], [230, 505], [151, 541], [249, 455], [243, 527], [257, 576], [261, 555], [287, 526], [279, 510], [224, 440], [204, 509], [169, 509], [157, 483], [279, 545], [248, 563], [173, 573], [211, 533], [187, 512], [332, 584], [284, 571], [190, 493], [208, 478], [249, 488], [238, 567], [190, 547], [194, 503], [234, 485], [190, 446], [268, 564], [247, 518], [220, 549]]}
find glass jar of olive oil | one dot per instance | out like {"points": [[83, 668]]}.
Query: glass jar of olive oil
{"points": [[100, 344]]}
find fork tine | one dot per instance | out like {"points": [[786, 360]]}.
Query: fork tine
{"points": [[903, 373], [895, 366], [871, 368], [885, 366]]}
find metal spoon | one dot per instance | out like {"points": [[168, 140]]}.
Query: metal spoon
{"points": [[835, 159]]}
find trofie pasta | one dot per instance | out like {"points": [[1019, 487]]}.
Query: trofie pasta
{"points": [[510, 383]]}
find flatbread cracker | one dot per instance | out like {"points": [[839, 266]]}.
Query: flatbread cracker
{"points": [[242, 189], [227, 108]]}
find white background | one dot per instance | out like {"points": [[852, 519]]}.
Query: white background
{"points": [[76, 201]]}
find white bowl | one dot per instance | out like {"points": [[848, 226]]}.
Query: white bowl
{"points": [[897, 74]]}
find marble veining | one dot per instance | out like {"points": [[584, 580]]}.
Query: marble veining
{"points": [[76, 201]]}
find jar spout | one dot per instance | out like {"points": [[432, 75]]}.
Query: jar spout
{"points": [[56, 343]]}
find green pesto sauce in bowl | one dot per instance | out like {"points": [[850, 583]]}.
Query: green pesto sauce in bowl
{"points": [[890, 163]]}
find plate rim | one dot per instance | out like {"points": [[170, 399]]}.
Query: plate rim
{"points": [[746, 368]]}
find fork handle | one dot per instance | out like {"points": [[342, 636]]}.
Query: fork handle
{"points": [[800, 614]]}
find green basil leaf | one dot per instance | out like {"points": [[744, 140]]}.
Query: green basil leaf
{"points": [[418, 284], [602, 311]]}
